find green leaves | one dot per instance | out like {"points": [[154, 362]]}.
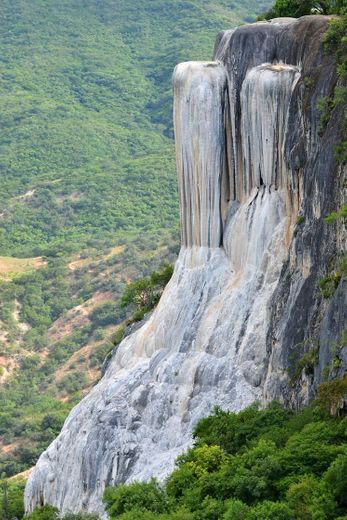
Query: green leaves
{"points": [[297, 8], [336, 479], [143, 295], [233, 431], [139, 496], [336, 215], [105, 314], [303, 477], [11, 499]]}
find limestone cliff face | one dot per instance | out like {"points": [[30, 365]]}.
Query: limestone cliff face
{"points": [[244, 295]]}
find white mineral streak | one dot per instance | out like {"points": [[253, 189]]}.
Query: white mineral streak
{"points": [[205, 343], [200, 149], [263, 149]]}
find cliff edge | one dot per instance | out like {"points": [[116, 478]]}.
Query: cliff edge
{"points": [[257, 176]]}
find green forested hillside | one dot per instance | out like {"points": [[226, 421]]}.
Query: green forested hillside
{"points": [[86, 114], [88, 191]]}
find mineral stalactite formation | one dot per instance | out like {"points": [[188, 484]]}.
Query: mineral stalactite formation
{"points": [[200, 94], [263, 131], [244, 290]]}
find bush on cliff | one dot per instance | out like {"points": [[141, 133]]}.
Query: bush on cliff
{"points": [[271, 464], [142, 295]]}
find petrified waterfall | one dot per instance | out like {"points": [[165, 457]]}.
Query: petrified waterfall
{"points": [[247, 163], [199, 114]]}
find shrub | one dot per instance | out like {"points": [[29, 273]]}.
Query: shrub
{"points": [[336, 479], [105, 314], [329, 283], [297, 8], [336, 215], [11, 499], [270, 511], [236, 510], [311, 450], [144, 496], [306, 363], [233, 431], [80, 516], [46, 512], [143, 295], [331, 396]]}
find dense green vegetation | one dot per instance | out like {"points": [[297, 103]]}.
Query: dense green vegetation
{"points": [[297, 8], [52, 513], [11, 499], [259, 464]]}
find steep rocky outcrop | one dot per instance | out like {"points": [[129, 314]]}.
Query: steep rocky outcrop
{"points": [[244, 303]]}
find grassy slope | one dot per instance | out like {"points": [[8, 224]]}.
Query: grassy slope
{"points": [[11, 267], [87, 164]]}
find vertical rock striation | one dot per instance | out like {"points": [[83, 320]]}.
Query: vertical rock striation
{"points": [[244, 291], [200, 95], [263, 131]]}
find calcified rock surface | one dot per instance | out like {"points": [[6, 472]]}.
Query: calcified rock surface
{"points": [[244, 290]]}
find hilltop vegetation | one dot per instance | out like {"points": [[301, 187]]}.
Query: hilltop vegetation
{"points": [[297, 8], [88, 197]]}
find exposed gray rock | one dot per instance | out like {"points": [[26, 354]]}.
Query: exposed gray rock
{"points": [[244, 295]]}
